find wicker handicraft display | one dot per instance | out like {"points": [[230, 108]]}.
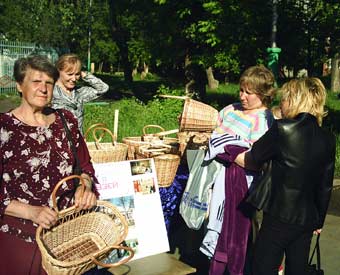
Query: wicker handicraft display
{"points": [[80, 240], [102, 152], [151, 144]]}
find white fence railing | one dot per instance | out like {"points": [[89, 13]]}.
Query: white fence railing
{"points": [[11, 51]]}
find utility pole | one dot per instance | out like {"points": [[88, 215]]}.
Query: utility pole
{"points": [[274, 51], [89, 39]]}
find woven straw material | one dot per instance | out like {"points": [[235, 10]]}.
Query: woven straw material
{"points": [[107, 151], [198, 117], [166, 167], [135, 143], [102, 152], [81, 239]]}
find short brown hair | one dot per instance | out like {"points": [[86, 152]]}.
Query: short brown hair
{"points": [[36, 62], [261, 81]]}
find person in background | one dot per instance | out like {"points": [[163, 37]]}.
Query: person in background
{"points": [[66, 95], [34, 156], [239, 125], [302, 156]]}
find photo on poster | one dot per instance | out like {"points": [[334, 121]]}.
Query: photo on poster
{"points": [[144, 186], [126, 206], [139, 167]]}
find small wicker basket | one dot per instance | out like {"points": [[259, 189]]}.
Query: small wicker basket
{"points": [[102, 152], [82, 239], [166, 167]]}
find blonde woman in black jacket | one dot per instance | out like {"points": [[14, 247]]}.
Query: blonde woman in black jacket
{"points": [[299, 184]]}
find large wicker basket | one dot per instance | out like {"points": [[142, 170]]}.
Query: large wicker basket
{"points": [[161, 143], [166, 167], [82, 239], [196, 116], [102, 152]]}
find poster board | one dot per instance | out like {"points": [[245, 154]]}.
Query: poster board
{"points": [[133, 188]]}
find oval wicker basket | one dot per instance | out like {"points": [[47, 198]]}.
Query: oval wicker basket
{"points": [[102, 152], [166, 167], [82, 239]]}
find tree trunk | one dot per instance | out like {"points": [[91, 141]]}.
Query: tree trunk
{"points": [[212, 82], [121, 37], [145, 71], [335, 77]]}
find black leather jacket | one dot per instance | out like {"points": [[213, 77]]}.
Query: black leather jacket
{"points": [[302, 168]]}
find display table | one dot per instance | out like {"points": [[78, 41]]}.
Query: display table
{"points": [[164, 263]]}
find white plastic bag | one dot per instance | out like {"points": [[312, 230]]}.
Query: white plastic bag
{"points": [[195, 201]]}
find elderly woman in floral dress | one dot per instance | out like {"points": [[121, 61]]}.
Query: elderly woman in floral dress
{"points": [[35, 155]]}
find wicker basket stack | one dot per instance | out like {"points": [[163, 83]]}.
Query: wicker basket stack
{"points": [[164, 150], [150, 144], [82, 239]]}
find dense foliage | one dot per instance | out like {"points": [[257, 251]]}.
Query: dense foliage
{"points": [[165, 36]]}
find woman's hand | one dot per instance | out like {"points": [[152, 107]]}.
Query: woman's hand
{"points": [[317, 231], [83, 74], [85, 199], [43, 215]]}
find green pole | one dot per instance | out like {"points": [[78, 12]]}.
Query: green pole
{"points": [[89, 41], [273, 51], [273, 60]]}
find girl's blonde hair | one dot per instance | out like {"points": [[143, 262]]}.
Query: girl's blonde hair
{"points": [[260, 81], [305, 95]]}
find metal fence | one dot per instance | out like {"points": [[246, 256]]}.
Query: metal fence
{"points": [[11, 51]]}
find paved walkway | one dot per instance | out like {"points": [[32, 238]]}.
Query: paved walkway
{"points": [[330, 236]]}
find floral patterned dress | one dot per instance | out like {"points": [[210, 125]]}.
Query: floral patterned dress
{"points": [[33, 160]]}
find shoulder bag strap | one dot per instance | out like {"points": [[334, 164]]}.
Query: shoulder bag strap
{"points": [[77, 168]]}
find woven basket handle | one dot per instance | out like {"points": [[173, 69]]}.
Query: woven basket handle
{"points": [[87, 132], [54, 192], [105, 130], [175, 96], [169, 132], [145, 149], [152, 126], [123, 261]]}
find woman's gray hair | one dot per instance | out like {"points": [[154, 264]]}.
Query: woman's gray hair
{"points": [[36, 62]]}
